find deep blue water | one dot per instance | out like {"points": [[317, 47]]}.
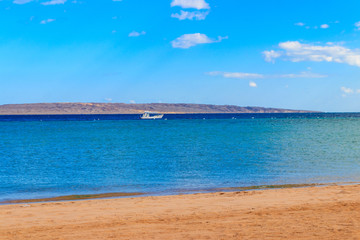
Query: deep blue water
{"points": [[45, 156]]}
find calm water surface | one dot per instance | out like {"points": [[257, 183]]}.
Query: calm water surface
{"points": [[44, 156]]}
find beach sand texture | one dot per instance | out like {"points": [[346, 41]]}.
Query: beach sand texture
{"points": [[331, 212]]}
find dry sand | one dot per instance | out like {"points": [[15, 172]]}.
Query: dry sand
{"points": [[331, 212]]}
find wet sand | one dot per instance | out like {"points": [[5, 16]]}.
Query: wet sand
{"points": [[331, 212]]}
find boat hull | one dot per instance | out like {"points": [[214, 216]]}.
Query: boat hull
{"points": [[152, 118]]}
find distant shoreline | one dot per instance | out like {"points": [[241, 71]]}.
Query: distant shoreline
{"points": [[167, 113], [123, 108]]}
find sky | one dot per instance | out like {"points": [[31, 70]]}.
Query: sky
{"points": [[268, 53]]}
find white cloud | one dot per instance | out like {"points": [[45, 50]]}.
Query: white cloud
{"points": [[271, 55], [54, 2], [108, 99], [136, 34], [324, 26], [297, 52], [198, 4], [132, 102], [190, 15], [47, 21], [357, 25], [242, 75], [252, 84], [22, 1], [190, 40]]}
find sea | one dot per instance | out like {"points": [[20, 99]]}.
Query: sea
{"points": [[54, 155]]}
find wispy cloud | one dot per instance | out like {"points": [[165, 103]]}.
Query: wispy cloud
{"points": [[54, 2], [191, 40], [198, 4], [301, 24], [136, 34], [238, 75], [299, 75], [197, 15], [47, 21], [271, 55], [242, 75], [297, 52], [357, 25], [22, 1], [51, 2], [322, 26], [346, 91]]}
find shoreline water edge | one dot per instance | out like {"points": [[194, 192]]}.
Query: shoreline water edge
{"points": [[115, 195]]}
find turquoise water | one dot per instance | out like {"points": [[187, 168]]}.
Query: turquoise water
{"points": [[52, 158]]}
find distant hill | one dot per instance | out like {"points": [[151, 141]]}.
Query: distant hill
{"points": [[123, 108]]}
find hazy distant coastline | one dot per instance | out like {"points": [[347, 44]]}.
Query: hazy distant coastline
{"points": [[123, 108]]}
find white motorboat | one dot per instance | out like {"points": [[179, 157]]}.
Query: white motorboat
{"points": [[151, 115]]}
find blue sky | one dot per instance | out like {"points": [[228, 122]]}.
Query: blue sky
{"points": [[287, 54]]}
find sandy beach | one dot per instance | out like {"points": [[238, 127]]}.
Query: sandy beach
{"points": [[331, 212]]}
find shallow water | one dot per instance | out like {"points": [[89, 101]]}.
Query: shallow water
{"points": [[61, 156]]}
